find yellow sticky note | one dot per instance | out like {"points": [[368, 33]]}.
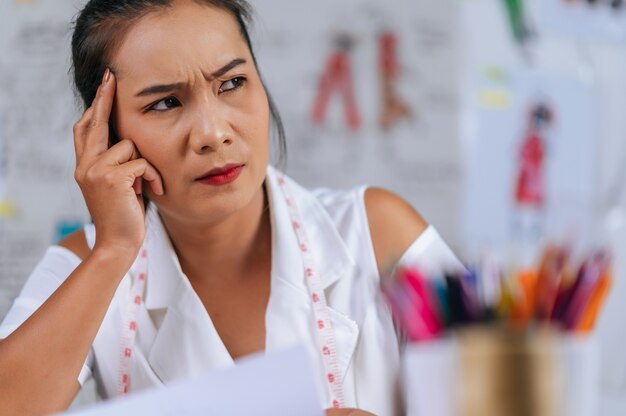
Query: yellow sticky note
{"points": [[7, 209], [495, 98]]}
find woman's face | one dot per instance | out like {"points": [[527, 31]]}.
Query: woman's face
{"points": [[190, 98]]}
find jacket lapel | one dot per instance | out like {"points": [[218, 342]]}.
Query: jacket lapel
{"points": [[290, 317], [186, 342]]}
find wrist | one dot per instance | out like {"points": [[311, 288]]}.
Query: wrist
{"points": [[113, 255]]}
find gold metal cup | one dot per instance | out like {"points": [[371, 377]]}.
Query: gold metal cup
{"points": [[504, 372]]}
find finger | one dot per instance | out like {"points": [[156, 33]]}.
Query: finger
{"points": [[98, 127], [80, 130], [141, 169], [121, 152], [137, 186], [154, 179]]}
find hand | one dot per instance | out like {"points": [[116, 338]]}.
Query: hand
{"points": [[111, 178], [347, 412]]}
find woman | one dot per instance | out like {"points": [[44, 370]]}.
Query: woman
{"points": [[232, 250]]}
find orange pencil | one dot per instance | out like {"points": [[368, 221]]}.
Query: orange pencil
{"points": [[524, 306], [590, 313]]}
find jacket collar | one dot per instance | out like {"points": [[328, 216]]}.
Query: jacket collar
{"points": [[331, 255]]}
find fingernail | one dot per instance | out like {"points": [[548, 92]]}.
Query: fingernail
{"points": [[107, 75]]}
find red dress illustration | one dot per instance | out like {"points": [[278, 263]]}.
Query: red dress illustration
{"points": [[393, 108], [337, 78], [529, 189], [530, 182]]}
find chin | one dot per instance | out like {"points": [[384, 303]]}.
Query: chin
{"points": [[210, 208], [205, 203]]}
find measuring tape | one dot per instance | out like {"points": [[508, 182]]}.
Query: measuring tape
{"points": [[129, 331], [325, 335]]}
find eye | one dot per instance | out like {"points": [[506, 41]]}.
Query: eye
{"points": [[165, 104], [232, 84]]}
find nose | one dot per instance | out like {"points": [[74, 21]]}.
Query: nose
{"points": [[212, 130]]}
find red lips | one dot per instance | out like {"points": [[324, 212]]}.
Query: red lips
{"points": [[222, 175]]}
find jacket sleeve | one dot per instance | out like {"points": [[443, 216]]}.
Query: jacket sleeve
{"points": [[431, 254]]}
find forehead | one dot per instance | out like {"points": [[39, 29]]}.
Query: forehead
{"points": [[170, 41]]}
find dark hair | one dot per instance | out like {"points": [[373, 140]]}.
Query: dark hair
{"points": [[102, 24]]}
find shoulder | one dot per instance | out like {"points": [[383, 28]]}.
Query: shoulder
{"points": [[76, 243], [394, 225]]}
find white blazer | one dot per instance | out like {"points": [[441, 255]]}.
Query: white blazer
{"points": [[176, 337]]}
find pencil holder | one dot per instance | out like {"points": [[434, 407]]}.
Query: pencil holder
{"points": [[503, 372], [491, 370]]}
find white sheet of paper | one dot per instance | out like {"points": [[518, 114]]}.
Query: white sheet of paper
{"points": [[279, 383]]}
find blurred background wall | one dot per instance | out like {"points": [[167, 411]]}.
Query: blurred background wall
{"points": [[455, 104]]}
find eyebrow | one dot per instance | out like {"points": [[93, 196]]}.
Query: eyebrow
{"points": [[165, 88]]}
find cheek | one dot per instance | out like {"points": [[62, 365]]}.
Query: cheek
{"points": [[150, 141], [258, 116]]}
